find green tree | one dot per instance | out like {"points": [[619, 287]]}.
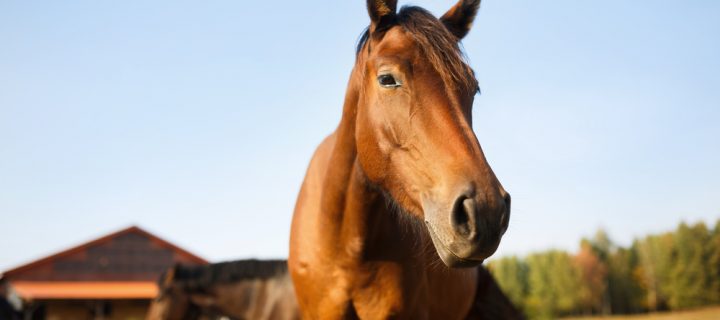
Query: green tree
{"points": [[673, 270], [656, 255], [593, 275], [625, 294], [554, 282], [690, 277], [511, 274], [602, 245], [714, 265]]}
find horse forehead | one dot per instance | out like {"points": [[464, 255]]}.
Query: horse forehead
{"points": [[396, 42]]}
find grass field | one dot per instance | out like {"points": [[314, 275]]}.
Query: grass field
{"points": [[712, 313]]}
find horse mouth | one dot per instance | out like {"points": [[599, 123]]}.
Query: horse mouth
{"points": [[448, 257]]}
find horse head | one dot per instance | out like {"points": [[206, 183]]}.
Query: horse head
{"points": [[413, 128]]}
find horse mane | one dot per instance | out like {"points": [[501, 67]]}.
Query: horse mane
{"points": [[201, 277], [440, 46]]}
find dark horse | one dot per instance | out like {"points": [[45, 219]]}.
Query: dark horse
{"points": [[8, 309], [399, 205], [245, 289]]}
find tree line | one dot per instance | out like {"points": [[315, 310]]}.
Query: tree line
{"points": [[669, 271]]}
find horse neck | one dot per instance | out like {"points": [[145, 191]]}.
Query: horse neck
{"points": [[356, 211], [342, 173], [254, 298], [280, 301], [235, 299]]}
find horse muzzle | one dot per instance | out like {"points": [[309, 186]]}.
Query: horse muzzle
{"points": [[470, 233]]}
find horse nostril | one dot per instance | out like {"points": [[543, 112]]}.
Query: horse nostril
{"points": [[463, 216], [506, 198], [505, 218]]}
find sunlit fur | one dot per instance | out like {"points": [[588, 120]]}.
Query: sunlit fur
{"points": [[399, 204]]}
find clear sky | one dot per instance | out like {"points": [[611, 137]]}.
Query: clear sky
{"points": [[196, 121]]}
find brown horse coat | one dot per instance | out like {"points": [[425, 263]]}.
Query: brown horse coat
{"points": [[399, 204]]}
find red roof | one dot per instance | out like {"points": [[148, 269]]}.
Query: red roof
{"points": [[132, 229], [124, 264]]}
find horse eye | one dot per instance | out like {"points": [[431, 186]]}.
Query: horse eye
{"points": [[387, 81]]}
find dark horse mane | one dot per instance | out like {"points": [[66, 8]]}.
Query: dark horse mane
{"points": [[199, 277], [437, 43]]}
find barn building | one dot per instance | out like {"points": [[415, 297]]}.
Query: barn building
{"points": [[113, 277]]}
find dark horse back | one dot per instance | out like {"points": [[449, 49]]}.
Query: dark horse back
{"points": [[490, 302]]}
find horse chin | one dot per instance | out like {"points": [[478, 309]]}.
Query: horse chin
{"points": [[448, 257]]}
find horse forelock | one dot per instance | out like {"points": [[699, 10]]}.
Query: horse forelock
{"points": [[440, 47]]}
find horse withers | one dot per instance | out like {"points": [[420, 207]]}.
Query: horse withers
{"points": [[399, 205], [244, 289]]}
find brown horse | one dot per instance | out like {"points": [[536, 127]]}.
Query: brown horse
{"points": [[399, 202], [244, 289]]}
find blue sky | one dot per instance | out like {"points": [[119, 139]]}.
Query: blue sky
{"points": [[196, 121]]}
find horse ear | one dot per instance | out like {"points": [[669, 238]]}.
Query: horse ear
{"points": [[460, 17], [381, 12], [169, 276]]}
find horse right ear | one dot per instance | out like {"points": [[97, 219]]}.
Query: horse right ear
{"points": [[169, 276], [460, 17], [381, 12]]}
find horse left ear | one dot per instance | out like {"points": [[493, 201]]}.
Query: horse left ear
{"points": [[381, 12], [169, 276], [460, 17]]}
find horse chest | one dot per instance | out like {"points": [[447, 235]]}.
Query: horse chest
{"points": [[381, 290], [390, 291]]}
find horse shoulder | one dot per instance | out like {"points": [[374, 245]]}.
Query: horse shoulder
{"points": [[306, 262], [308, 201], [305, 222]]}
